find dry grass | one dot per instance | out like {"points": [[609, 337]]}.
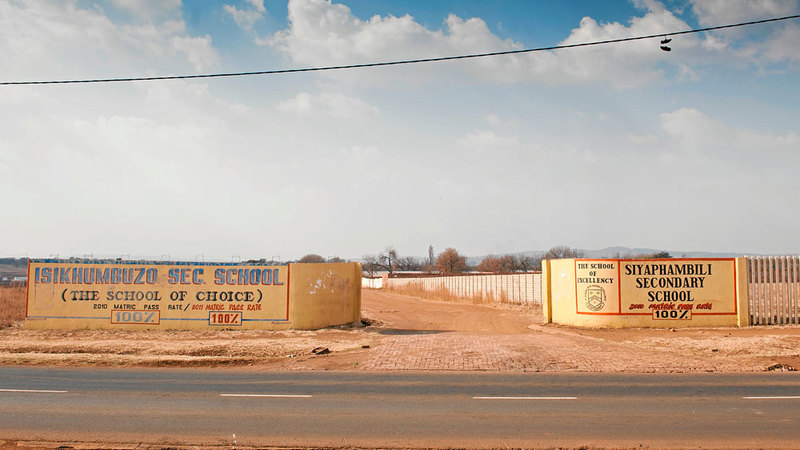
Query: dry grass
{"points": [[444, 294], [12, 305]]}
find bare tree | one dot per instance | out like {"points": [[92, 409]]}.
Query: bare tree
{"points": [[526, 263], [450, 261], [388, 259], [489, 264], [408, 263], [370, 264], [499, 264], [562, 252], [311, 258]]}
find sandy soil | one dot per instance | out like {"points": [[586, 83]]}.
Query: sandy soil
{"points": [[408, 333]]}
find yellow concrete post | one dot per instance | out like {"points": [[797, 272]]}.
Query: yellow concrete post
{"points": [[547, 301], [742, 293]]}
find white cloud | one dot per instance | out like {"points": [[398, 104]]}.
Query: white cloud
{"points": [[197, 50], [493, 119], [333, 104], [484, 139], [246, 18], [258, 5], [59, 39], [769, 44], [324, 33], [149, 9], [699, 137], [783, 45], [321, 33], [722, 12], [622, 65]]}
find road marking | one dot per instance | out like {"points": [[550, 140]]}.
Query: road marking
{"points": [[524, 398], [266, 395], [774, 397], [33, 391]]}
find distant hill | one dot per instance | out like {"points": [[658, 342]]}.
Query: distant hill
{"points": [[611, 252]]}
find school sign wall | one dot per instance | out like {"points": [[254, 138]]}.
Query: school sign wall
{"points": [[192, 295], [645, 293]]}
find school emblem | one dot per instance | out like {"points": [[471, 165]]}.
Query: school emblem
{"points": [[595, 297]]}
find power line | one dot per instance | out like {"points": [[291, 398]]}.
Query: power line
{"points": [[396, 63]]}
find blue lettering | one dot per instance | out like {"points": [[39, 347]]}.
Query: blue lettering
{"points": [[275, 278], [63, 276], [196, 276], [173, 276], [219, 276], [243, 276], [102, 276], [152, 276], [77, 275], [115, 275]]}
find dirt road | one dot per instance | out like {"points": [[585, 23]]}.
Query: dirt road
{"points": [[409, 333]]}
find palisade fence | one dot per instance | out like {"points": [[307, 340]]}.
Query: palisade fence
{"points": [[520, 288], [774, 289]]}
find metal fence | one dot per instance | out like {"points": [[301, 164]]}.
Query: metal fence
{"points": [[521, 288], [774, 289]]}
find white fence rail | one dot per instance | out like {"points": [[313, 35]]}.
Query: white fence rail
{"points": [[371, 282], [521, 288], [774, 289]]}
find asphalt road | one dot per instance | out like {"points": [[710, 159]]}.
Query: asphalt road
{"points": [[363, 409]]}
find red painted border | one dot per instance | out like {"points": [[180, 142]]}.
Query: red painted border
{"points": [[241, 319], [575, 277], [28, 291], [619, 286], [288, 287]]}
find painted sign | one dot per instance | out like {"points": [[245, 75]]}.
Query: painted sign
{"points": [[664, 289], [158, 295]]}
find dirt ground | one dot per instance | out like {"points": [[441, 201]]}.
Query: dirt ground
{"points": [[409, 333]]}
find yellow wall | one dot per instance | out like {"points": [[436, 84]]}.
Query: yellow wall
{"points": [[190, 296], [325, 294], [608, 293]]}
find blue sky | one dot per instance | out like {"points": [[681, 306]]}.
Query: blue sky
{"points": [[695, 149]]}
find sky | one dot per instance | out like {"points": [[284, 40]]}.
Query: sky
{"points": [[696, 149]]}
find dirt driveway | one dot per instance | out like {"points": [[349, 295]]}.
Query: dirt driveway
{"points": [[409, 333]]}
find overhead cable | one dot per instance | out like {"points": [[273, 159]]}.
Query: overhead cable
{"points": [[396, 63]]}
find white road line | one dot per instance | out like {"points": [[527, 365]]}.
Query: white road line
{"points": [[774, 397], [266, 395], [524, 398], [33, 391]]}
